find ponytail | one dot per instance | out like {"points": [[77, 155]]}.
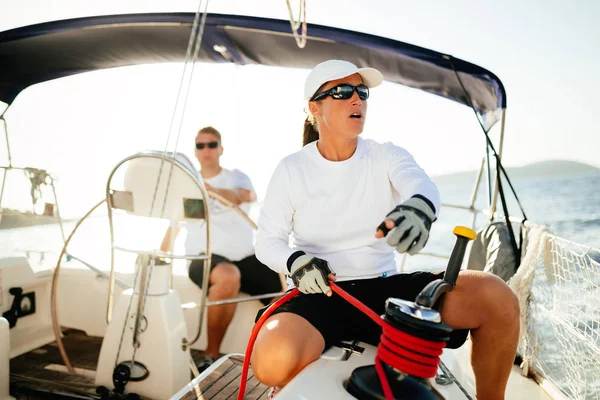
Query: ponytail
{"points": [[310, 132]]}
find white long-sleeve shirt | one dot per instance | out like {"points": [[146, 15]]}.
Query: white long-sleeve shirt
{"points": [[332, 209]]}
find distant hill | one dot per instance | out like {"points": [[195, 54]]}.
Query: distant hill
{"points": [[539, 169]]}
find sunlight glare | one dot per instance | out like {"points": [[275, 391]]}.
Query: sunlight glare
{"points": [[272, 325]]}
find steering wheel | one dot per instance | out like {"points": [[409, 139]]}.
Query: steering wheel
{"points": [[53, 306]]}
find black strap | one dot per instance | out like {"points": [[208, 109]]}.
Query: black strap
{"points": [[500, 171], [513, 241], [293, 258], [426, 200]]}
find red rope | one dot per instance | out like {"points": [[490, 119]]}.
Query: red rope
{"points": [[274, 306], [398, 349]]}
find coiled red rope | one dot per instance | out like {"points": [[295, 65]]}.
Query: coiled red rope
{"points": [[400, 350]]}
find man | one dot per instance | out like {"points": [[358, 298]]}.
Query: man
{"points": [[234, 266]]}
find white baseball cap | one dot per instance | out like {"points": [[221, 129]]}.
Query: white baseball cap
{"points": [[331, 70]]}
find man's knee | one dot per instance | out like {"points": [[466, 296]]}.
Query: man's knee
{"points": [[226, 275], [225, 272]]}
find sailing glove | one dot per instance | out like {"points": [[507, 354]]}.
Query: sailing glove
{"points": [[309, 273], [412, 221]]}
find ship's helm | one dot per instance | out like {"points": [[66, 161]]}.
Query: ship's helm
{"points": [[145, 349]]}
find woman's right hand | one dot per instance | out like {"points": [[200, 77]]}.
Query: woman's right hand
{"points": [[311, 275]]}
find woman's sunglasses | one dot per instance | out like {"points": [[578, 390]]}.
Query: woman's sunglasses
{"points": [[210, 145], [343, 92]]}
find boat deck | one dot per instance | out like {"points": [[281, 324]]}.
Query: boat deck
{"points": [[41, 374], [223, 383]]}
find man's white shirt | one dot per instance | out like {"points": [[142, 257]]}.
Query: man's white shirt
{"points": [[231, 236]]}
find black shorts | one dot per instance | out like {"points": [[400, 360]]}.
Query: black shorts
{"points": [[338, 320], [256, 278]]}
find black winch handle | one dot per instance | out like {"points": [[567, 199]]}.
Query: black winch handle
{"points": [[463, 235], [429, 296]]}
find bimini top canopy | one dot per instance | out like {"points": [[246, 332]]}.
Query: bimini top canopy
{"points": [[37, 53]]}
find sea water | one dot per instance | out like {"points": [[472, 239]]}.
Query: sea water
{"points": [[568, 205]]}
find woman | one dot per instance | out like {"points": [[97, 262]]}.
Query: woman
{"points": [[332, 197]]}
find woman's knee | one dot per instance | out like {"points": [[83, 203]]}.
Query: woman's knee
{"points": [[274, 359], [285, 344], [479, 297], [499, 298]]}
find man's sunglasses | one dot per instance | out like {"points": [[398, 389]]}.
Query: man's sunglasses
{"points": [[343, 92], [210, 145]]}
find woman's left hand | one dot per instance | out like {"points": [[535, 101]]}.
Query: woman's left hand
{"points": [[412, 220]]}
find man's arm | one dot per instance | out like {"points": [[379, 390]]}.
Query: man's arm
{"points": [[237, 196]]}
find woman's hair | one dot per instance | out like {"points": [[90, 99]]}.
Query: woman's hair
{"points": [[310, 133]]}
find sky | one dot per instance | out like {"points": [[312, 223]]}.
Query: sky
{"points": [[545, 52]]}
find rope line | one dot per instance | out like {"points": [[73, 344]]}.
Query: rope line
{"points": [[415, 356], [295, 24]]}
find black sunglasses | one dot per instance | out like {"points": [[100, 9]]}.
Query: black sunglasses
{"points": [[210, 145], [343, 92]]}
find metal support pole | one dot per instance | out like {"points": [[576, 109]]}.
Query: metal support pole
{"points": [[9, 157], [60, 222], [141, 297], [174, 226], [474, 193], [497, 177], [206, 272], [2, 189], [7, 142]]}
